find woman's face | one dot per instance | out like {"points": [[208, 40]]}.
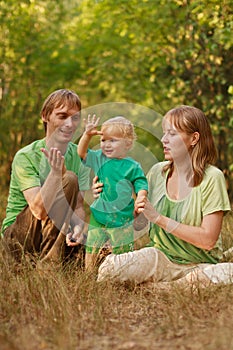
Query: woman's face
{"points": [[176, 144]]}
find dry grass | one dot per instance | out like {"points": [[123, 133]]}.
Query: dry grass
{"points": [[69, 310]]}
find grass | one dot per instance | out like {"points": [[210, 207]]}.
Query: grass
{"points": [[68, 310]]}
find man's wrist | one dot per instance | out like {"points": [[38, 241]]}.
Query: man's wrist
{"points": [[78, 227]]}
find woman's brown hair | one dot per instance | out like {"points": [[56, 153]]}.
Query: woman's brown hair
{"points": [[189, 120]]}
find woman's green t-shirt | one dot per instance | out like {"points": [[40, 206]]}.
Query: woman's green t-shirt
{"points": [[210, 196]]}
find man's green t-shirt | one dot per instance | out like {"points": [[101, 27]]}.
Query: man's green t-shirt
{"points": [[30, 168], [210, 196], [121, 178]]}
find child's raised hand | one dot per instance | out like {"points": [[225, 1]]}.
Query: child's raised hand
{"points": [[91, 124]]}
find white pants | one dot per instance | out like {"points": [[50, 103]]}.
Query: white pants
{"points": [[151, 264]]}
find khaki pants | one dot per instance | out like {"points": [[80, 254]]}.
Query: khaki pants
{"points": [[142, 265], [150, 264], [45, 238]]}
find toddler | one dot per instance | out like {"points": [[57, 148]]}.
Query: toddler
{"points": [[112, 213]]}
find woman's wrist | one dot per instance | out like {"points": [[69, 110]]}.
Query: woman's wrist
{"points": [[157, 219], [166, 223], [171, 225]]}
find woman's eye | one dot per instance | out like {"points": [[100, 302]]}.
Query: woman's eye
{"points": [[172, 132]]}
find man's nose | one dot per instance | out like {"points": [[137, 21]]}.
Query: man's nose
{"points": [[68, 121]]}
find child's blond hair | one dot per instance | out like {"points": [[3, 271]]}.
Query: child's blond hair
{"points": [[120, 126]]}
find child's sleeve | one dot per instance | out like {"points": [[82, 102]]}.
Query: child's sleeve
{"points": [[140, 181]]}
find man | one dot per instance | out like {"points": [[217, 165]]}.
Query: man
{"points": [[45, 203]]}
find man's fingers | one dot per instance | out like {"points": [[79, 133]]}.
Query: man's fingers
{"points": [[46, 153], [55, 158], [95, 180]]}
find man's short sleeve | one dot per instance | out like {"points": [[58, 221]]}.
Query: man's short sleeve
{"points": [[25, 173], [84, 178]]}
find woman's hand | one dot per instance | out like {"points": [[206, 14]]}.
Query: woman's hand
{"points": [[150, 212], [144, 206], [97, 187]]}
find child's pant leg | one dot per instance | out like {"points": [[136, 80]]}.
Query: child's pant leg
{"points": [[96, 236], [122, 239]]}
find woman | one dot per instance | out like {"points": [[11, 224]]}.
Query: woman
{"points": [[186, 203]]}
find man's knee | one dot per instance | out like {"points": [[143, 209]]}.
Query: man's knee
{"points": [[70, 179]]}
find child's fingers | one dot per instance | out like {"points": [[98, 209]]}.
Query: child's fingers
{"points": [[97, 120]]}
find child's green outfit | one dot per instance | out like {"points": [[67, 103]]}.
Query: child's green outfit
{"points": [[112, 213]]}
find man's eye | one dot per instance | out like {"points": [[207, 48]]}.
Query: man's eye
{"points": [[76, 116]]}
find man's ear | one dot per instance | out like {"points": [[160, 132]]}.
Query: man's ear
{"points": [[44, 118]]}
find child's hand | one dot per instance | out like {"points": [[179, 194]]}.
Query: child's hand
{"points": [[91, 125], [140, 201]]}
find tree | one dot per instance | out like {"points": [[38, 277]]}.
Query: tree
{"points": [[156, 54]]}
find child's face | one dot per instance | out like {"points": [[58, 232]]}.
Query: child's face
{"points": [[114, 146]]}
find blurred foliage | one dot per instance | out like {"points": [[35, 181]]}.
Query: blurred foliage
{"points": [[152, 53]]}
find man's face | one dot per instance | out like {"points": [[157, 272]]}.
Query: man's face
{"points": [[62, 124]]}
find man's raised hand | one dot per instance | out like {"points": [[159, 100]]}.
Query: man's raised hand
{"points": [[56, 159]]}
